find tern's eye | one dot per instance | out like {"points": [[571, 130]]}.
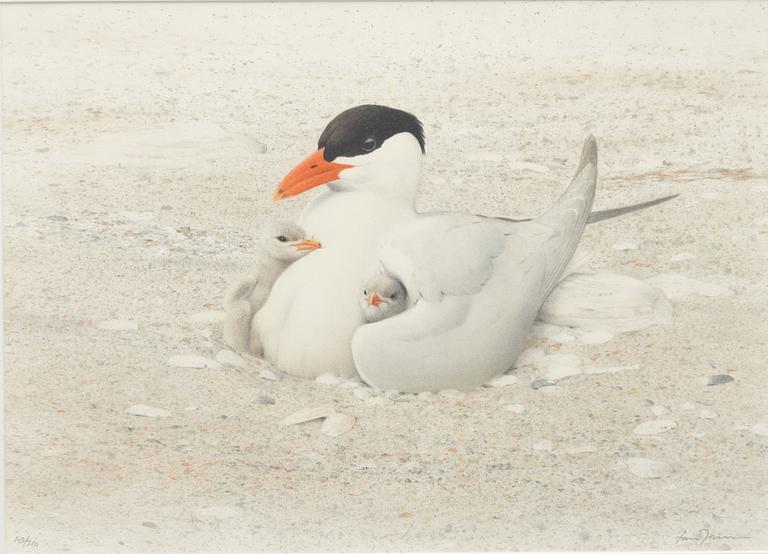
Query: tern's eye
{"points": [[282, 238], [394, 296], [365, 292], [369, 144]]}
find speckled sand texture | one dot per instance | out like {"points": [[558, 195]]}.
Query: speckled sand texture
{"points": [[141, 145]]}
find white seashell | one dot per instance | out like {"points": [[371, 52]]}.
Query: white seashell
{"points": [[227, 357], [655, 427], [624, 246], [307, 414], [596, 337], [545, 330], [659, 410], [529, 357], [648, 469], [760, 429], [337, 424], [543, 445], [706, 413], [515, 408], [208, 317], [580, 449], [118, 325], [502, 381], [327, 379], [683, 256], [563, 338], [607, 302], [269, 375], [677, 286], [196, 362], [579, 259], [560, 366], [147, 411]]}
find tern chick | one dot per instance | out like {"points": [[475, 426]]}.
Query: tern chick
{"points": [[280, 244], [383, 297]]}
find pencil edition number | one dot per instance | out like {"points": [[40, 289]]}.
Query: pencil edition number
{"points": [[26, 541]]}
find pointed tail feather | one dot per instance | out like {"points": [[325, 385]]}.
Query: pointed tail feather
{"points": [[570, 214]]}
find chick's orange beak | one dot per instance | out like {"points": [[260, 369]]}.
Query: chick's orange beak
{"points": [[307, 244], [374, 300], [311, 173]]}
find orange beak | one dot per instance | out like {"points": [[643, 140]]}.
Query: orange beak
{"points": [[307, 244], [311, 173], [374, 300]]}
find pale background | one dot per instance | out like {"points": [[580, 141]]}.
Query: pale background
{"points": [[141, 145]]}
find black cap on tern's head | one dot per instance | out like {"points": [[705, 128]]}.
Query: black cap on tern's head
{"points": [[362, 129]]}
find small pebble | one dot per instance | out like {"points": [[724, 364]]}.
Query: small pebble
{"points": [[147, 411], [760, 429], [208, 317], [648, 469], [377, 401], [195, 362], [659, 410], [150, 524], [502, 381], [515, 408], [264, 400], [719, 380], [580, 449], [269, 375], [426, 395], [227, 357], [327, 379], [541, 383], [761, 221], [544, 445], [391, 395], [451, 393], [118, 325], [624, 246], [553, 391], [351, 384], [596, 337], [362, 393], [707, 413], [655, 427], [190, 408]]}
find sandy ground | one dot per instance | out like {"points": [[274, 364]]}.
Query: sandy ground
{"points": [[141, 144]]}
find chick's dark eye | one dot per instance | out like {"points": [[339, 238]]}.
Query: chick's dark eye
{"points": [[369, 144], [394, 295], [282, 238]]}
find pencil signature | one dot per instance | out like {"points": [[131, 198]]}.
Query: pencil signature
{"points": [[705, 535]]}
